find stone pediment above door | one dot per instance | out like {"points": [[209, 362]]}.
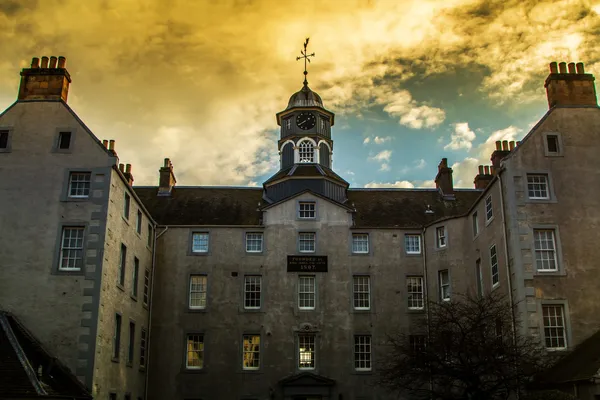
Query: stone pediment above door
{"points": [[306, 379]]}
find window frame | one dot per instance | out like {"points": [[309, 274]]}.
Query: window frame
{"points": [[60, 242], [560, 268], [131, 343], [146, 294], [246, 293], [300, 240], [116, 339], [314, 292], [549, 187], [418, 236], [135, 277], [150, 237], [563, 304], [9, 137], [122, 270], [138, 222], [262, 242], [299, 210], [409, 292], [301, 147], [143, 347], [70, 185], [559, 143], [126, 206], [493, 252], [191, 250], [438, 238], [190, 292], [57, 137], [489, 209], [186, 360], [354, 292], [354, 235], [441, 285], [244, 351], [356, 359], [479, 278], [314, 351], [475, 224]]}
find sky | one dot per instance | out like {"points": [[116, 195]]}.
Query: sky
{"points": [[200, 81]]}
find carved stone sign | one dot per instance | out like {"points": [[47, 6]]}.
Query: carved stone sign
{"points": [[306, 263]]}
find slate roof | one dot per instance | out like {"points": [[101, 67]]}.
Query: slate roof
{"points": [[22, 356], [306, 170], [376, 208], [580, 364]]}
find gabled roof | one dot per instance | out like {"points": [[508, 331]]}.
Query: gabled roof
{"points": [[582, 363], [306, 379], [307, 170], [28, 370]]}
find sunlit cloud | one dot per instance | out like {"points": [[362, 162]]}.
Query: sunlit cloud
{"points": [[384, 155], [461, 138], [402, 184]]}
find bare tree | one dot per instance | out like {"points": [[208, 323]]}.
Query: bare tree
{"points": [[468, 348]]}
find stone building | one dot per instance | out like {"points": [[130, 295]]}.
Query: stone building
{"points": [[286, 291]]}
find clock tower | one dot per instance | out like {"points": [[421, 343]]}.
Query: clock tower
{"points": [[305, 147]]}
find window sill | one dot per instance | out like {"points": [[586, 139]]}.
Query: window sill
{"points": [[134, 298], [195, 310], [489, 221], [125, 219], [115, 360], [193, 370], [198, 253], [120, 287], [76, 199], [142, 370], [369, 372], [359, 311], [254, 253], [252, 310], [416, 311], [541, 201], [145, 305], [361, 254], [129, 364], [412, 254], [540, 274], [252, 371]]}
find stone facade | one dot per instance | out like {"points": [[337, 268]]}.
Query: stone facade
{"points": [[232, 318]]}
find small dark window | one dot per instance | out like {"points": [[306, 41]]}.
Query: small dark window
{"points": [[3, 139], [552, 143], [112, 396], [130, 349], [64, 140], [127, 397], [117, 337]]}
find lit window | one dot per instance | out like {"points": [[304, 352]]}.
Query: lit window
{"points": [[306, 292], [197, 292], [537, 186], [126, 206], [307, 210], [306, 351], [360, 243], [440, 233], [200, 242], [489, 212], [362, 353], [122, 265], [554, 327], [252, 286], [143, 348], [306, 152], [251, 352], [64, 140], [195, 352], [444, 283], [306, 242], [254, 242], [412, 244], [362, 292], [117, 337], [71, 249], [545, 250], [79, 184], [475, 220], [414, 285], [494, 265]]}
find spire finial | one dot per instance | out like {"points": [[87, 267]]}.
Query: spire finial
{"points": [[306, 56]]}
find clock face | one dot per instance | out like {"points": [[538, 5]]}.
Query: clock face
{"points": [[306, 120]]}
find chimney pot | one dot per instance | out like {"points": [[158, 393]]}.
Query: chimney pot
{"points": [[111, 145], [481, 170], [492, 170], [580, 68], [443, 179], [511, 145], [571, 67], [498, 145], [553, 67], [44, 62], [505, 145], [53, 62], [562, 67], [105, 143], [487, 169], [35, 62], [128, 168], [62, 62], [167, 162], [122, 167]]}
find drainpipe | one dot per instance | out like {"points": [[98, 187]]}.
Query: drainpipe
{"points": [[509, 278], [426, 295], [156, 236]]}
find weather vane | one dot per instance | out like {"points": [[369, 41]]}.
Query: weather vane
{"points": [[306, 56]]}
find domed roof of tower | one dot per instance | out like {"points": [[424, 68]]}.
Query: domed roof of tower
{"points": [[305, 97]]}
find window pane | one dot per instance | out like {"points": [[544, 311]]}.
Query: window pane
{"points": [[143, 348], [489, 212], [306, 152], [444, 283], [552, 143], [362, 293], [146, 286], [554, 327], [537, 186], [494, 265], [360, 243], [412, 244], [415, 292], [252, 287], [306, 242], [254, 242], [306, 292], [545, 250], [362, 353], [195, 351], [441, 236], [251, 352], [71, 251], [198, 291], [200, 242], [306, 351], [79, 184], [307, 209]]}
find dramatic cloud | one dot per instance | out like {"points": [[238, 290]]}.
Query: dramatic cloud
{"points": [[412, 114], [402, 184], [461, 138]]}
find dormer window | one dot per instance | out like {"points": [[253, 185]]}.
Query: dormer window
{"points": [[306, 152]]}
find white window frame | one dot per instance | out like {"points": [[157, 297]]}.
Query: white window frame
{"points": [[307, 351], [200, 242], [550, 253], [250, 352], [307, 210], [146, 293], [415, 292], [252, 286], [363, 353], [80, 185], [440, 237], [538, 183], [71, 251], [254, 242], [305, 239], [198, 290], [494, 270], [307, 287], [196, 338], [143, 347], [408, 245], [444, 284], [361, 285], [475, 223], [360, 243], [555, 326], [489, 209], [306, 152]]}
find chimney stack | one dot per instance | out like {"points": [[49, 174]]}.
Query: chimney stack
{"points": [[45, 81], [128, 174], [166, 178], [503, 148], [569, 85], [443, 179], [484, 177]]}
